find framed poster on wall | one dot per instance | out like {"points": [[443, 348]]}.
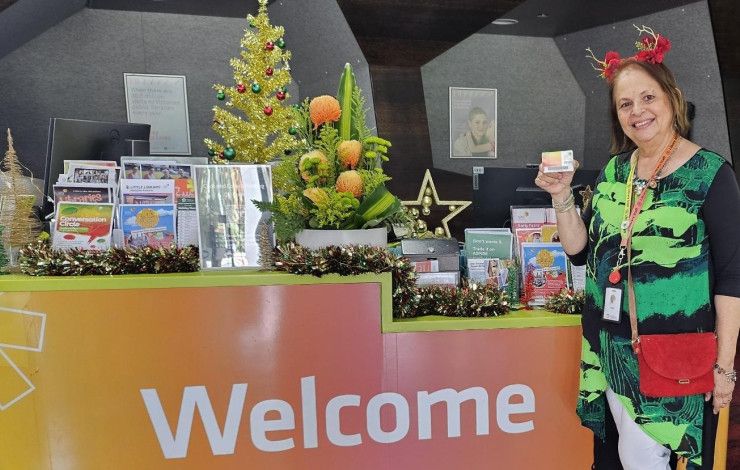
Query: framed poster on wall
{"points": [[162, 101], [473, 117]]}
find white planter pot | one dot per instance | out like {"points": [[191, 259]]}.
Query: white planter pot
{"points": [[315, 239]]}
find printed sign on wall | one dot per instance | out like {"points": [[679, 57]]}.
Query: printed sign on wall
{"points": [[162, 101]]}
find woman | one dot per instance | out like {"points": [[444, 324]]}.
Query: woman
{"points": [[684, 265], [479, 141]]}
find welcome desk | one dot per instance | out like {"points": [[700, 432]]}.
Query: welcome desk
{"points": [[264, 370]]}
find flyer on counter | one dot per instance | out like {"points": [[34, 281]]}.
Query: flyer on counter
{"points": [[548, 264], [187, 216], [82, 192], [138, 191], [82, 225], [148, 225]]}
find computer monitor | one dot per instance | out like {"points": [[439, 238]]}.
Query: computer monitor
{"points": [[497, 189], [78, 139]]}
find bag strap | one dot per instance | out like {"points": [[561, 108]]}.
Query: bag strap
{"points": [[631, 299]]}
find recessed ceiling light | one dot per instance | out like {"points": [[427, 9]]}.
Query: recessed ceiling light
{"points": [[505, 22], [542, 15]]}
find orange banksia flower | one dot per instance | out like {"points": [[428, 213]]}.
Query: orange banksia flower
{"points": [[324, 109], [349, 153], [350, 182], [316, 195]]}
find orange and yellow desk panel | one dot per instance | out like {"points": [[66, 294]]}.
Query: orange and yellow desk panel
{"points": [[244, 369]]}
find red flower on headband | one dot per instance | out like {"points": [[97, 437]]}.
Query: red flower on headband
{"points": [[651, 48], [611, 62]]}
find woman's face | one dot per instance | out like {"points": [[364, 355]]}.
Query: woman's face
{"points": [[478, 125], [643, 108]]}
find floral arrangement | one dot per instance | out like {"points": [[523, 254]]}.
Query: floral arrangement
{"points": [[651, 48], [334, 178]]}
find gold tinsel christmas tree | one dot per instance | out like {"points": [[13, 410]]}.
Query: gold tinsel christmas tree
{"points": [[259, 93], [20, 225]]}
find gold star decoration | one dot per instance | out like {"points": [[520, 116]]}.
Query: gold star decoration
{"points": [[427, 197], [586, 196]]}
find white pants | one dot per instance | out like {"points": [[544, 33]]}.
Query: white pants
{"points": [[637, 450]]}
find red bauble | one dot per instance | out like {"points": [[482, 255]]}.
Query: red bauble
{"points": [[615, 277], [268, 110], [269, 46], [269, 71], [241, 88], [280, 95]]}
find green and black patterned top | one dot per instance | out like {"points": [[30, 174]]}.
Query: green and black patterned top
{"points": [[671, 272]]}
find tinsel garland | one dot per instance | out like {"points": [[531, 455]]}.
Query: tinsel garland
{"points": [[408, 299], [39, 259], [566, 301]]}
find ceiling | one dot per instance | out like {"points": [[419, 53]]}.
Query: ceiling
{"points": [[412, 32], [5, 4]]}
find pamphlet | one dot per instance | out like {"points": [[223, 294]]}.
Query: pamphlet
{"points": [[147, 191], [548, 264], [488, 252], [82, 225], [81, 192], [187, 216], [230, 223], [91, 174], [148, 225]]}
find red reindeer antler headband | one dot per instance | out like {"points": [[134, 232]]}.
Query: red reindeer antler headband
{"points": [[650, 48]]}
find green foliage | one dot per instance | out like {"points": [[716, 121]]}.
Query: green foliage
{"points": [[327, 143], [358, 115], [333, 211], [285, 175], [371, 179], [288, 214], [347, 124]]}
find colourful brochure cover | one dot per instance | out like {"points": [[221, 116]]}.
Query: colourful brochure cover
{"points": [[147, 191], [82, 225], [549, 266], [148, 225]]}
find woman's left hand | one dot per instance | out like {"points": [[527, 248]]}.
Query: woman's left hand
{"points": [[722, 393]]}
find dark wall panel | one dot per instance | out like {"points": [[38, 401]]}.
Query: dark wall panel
{"points": [[692, 59]]}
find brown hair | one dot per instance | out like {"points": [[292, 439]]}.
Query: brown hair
{"points": [[661, 74]]}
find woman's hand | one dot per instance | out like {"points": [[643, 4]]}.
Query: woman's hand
{"points": [[557, 184], [722, 393]]}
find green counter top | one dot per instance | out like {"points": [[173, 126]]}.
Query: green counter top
{"points": [[232, 278]]}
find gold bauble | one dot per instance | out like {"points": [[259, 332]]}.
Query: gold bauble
{"points": [[426, 201], [439, 232], [428, 191], [453, 208], [426, 211], [421, 226], [414, 213]]}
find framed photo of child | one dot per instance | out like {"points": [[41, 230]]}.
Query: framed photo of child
{"points": [[473, 117]]}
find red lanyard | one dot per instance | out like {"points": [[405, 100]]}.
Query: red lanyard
{"points": [[629, 220]]}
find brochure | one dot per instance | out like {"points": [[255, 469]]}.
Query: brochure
{"points": [[229, 222], [148, 225], [81, 192], [487, 252], [147, 191], [91, 174], [548, 264], [82, 225], [187, 216]]}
